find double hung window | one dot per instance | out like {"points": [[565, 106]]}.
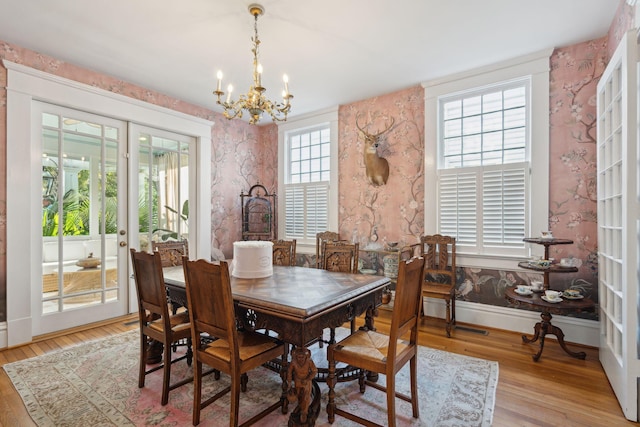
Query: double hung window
{"points": [[482, 162], [308, 179]]}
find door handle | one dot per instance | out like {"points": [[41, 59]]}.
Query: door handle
{"points": [[123, 244]]}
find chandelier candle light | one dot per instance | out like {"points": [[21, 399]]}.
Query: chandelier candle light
{"points": [[254, 101]]}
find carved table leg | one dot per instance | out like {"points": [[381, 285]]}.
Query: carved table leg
{"points": [[301, 374], [545, 327], [560, 335]]}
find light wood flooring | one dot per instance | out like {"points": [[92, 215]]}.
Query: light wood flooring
{"points": [[556, 391]]}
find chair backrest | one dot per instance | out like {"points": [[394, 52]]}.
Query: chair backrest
{"points": [[407, 303], [152, 294], [325, 236], [284, 252], [440, 259], [171, 253], [340, 256], [210, 301]]}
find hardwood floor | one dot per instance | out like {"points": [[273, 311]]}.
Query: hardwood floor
{"points": [[556, 391]]}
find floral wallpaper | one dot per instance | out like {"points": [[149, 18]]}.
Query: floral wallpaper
{"points": [[243, 155], [574, 73], [394, 210]]}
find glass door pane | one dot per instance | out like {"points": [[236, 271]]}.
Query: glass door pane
{"points": [[79, 213], [163, 187]]}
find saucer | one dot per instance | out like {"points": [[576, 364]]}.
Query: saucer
{"points": [[544, 297], [525, 293], [572, 297]]}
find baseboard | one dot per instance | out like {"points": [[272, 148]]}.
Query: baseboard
{"points": [[577, 331], [3, 335]]}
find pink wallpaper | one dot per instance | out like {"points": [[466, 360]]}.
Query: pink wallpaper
{"points": [[243, 155], [575, 72], [395, 209], [622, 23]]}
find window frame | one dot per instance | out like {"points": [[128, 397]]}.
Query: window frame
{"points": [[535, 67], [295, 126]]}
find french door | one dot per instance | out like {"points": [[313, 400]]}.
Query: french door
{"points": [[106, 187], [84, 222], [618, 238]]}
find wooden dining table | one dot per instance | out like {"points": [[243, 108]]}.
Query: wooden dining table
{"points": [[298, 304]]}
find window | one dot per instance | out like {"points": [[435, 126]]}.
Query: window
{"points": [[308, 151], [481, 159]]}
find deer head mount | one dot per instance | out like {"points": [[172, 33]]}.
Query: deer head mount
{"points": [[377, 167]]}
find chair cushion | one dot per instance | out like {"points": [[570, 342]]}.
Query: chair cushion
{"points": [[251, 344], [179, 322], [368, 345], [441, 290]]}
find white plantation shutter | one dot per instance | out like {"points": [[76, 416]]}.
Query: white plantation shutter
{"points": [[294, 211], [500, 192], [504, 206], [307, 210], [457, 205]]}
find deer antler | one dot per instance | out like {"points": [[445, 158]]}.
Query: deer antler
{"points": [[373, 135]]}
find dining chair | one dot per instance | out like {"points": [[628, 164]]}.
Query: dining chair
{"points": [[324, 236], [439, 252], [284, 252], [171, 253], [340, 256], [156, 323], [233, 351], [376, 352]]}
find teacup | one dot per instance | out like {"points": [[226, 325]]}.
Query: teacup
{"points": [[572, 293], [552, 294], [523, 288], [566, 262], [536, 285], [546, 235]]}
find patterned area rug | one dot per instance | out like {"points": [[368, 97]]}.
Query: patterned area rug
{"points": [[95, 384]]}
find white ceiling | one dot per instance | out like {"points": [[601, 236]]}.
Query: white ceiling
{"points": [[334, 51]]}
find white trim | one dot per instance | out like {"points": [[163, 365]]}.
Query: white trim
{"points": [[25, 85], [535, 65], [330, 116], [3, 334], [577, 331]]}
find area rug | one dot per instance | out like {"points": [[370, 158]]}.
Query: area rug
{"points": [[96, 384]]}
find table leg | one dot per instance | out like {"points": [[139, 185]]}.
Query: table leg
{"points": [[545, 327], [303, 388]]}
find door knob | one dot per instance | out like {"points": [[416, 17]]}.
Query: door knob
{"points": [[123, 244]]}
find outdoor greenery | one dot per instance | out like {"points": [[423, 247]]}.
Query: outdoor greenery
{"points": [[76, 207]]}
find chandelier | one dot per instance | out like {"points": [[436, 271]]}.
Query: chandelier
{"points": [[254, 101]]}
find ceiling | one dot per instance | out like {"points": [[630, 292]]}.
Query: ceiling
{"points": [[334, 51]]}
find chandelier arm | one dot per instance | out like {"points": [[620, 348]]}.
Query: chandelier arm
{"points": [[254, 102]]}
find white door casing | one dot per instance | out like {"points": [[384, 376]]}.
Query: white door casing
{"points": [[24, 176]]}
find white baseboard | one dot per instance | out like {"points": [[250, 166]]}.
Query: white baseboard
{"points": [[578, 331], [3, 335]]}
